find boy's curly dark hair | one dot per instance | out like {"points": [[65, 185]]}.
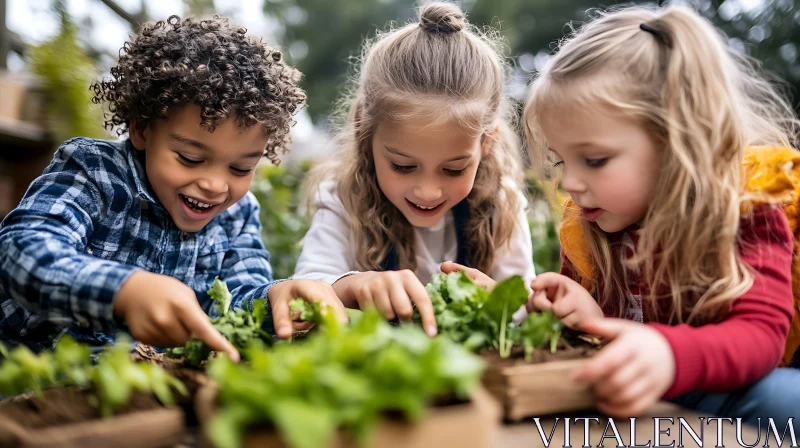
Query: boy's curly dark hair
{"points": [[210, 63]]}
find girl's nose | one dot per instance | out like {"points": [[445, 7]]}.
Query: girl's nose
{"points": [[572, 183], [428, 192]]}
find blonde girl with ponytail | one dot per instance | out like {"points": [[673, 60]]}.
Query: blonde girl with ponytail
{"points": [[648, 120], [427, 170]]}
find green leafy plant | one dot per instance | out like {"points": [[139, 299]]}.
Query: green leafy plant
{"points": [[477, 319], [22, 370], [66, 72], [284, 224], [242, 328], [113, 377], [338, 377]]}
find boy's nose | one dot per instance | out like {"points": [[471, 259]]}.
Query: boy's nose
{"points": [[213, 186]]}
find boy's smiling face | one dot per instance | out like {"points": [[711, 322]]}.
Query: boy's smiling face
{"points": [[194, 173]]}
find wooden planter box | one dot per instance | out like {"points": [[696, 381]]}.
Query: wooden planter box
{"points": [[531, 390], [469, 425], [60, 419]]}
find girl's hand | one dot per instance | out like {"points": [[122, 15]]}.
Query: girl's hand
{"points": [[309, 290], [566, 298], [391, 292], [632, 372], [162, 311], [477, 276]]}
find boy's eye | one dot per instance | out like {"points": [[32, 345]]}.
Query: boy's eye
{"points": [[402, 168], [455, 173], [596, 163], [188, 161], [240, 171]]}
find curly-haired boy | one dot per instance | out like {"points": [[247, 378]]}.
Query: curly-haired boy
{"points": [[131, 234]]}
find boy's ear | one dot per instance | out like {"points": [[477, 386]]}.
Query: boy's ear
{"points": [[137, 135], [487, 140]]}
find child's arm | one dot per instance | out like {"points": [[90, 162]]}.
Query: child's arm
{"points": [[721, 357], [44, 269], [749, 343], [328, 245], [43, 266], [248, 274]]}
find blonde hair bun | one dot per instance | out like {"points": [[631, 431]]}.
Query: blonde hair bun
{"points": [[442, 18]]}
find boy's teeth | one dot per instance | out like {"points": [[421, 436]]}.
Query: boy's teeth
{"points": [[197, 203]]}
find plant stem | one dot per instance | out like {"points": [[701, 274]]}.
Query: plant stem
{"points": [[503, 351]]}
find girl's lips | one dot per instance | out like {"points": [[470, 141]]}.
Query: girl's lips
{"points": [[591, 214], [426, 213]]}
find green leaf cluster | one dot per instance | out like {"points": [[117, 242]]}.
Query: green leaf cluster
{"points": [[114, 376], [479, 320], [242, 328], [338, 377], [22, 370]]}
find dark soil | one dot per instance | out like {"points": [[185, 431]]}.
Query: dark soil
{"points": [[572, 345], [60, 406], [190, 376]]}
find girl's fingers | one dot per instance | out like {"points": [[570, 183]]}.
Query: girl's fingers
{"points": [[448, 267], [401, 303], [638, 405], [540, 302], [619, 381], [572, 320], [477, 276], [547, 280], [563, 306], [380, 297], [423, 303], [614, 356], [332, 300]]}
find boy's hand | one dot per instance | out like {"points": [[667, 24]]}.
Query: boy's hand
{"points": [[566, 298], [160, 310], [391, 292], [309, 290], [477, 276], [632, 372]]}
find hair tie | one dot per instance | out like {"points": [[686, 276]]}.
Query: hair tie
{"points": [[660, 36]]}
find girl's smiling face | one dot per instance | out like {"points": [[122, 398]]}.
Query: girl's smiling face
{"points": [[196, 174], [424, 169]]}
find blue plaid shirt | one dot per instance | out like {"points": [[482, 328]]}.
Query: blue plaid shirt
{"points": [[88, 223]]}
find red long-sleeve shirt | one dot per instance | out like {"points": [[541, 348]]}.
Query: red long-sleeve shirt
{"points": [[749, 342]]}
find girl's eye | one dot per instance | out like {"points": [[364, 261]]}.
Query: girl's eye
{"points": [[402, 168], [596, 163], [188, 161], [455, 173], [241, 172], [558, 164]]}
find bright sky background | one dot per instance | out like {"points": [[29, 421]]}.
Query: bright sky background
{"points": [[35, 22]]}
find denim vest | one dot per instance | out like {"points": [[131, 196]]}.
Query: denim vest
{"points": [[460, 219]]}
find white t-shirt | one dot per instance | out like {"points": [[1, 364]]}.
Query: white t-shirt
{"points": [[328, 247]]}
